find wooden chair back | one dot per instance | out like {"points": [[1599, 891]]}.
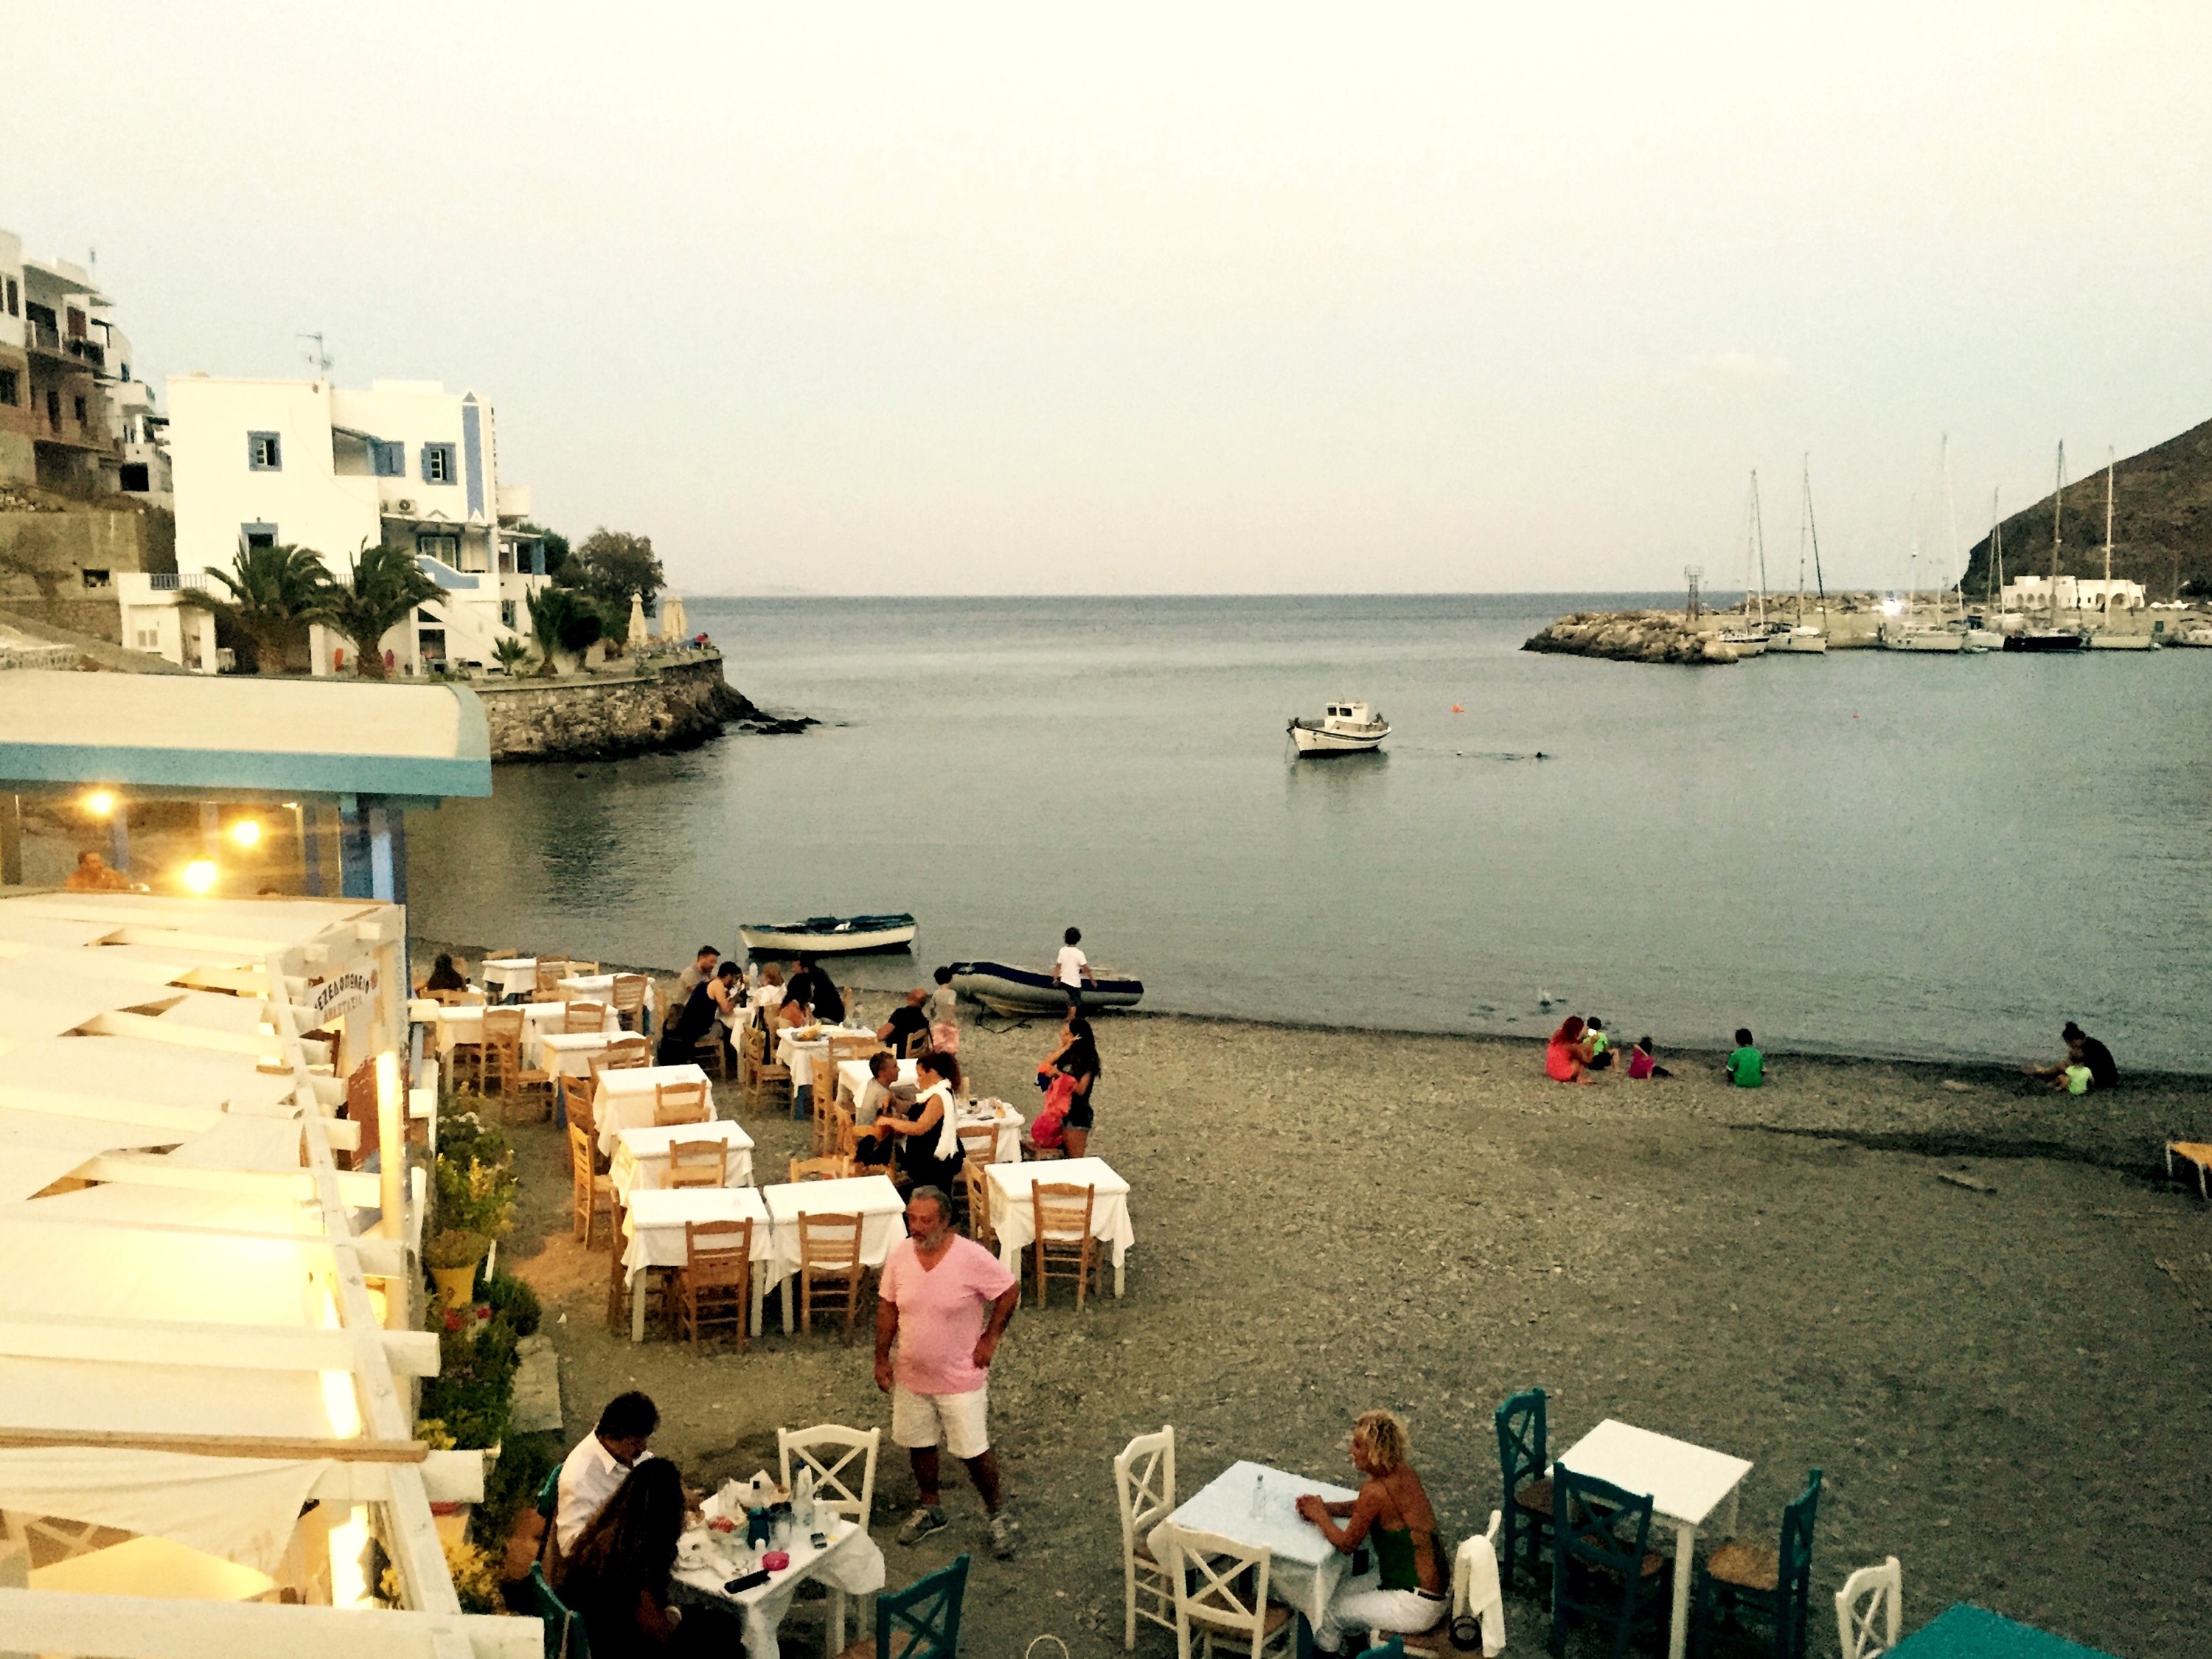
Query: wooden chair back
{"points": [[714, 1285], [625, 1052], [628, 997], [576, 1105], [820, 1169], [1063, 1247], [833, 1452], [680, 1103], [842, 1134], [979, 1142], [552, 971], [1602, 1534], [581, 1019], [1144, 1484], [977, 1188], [698, 1164], [579, 969], [829, 1250], [590, 1191], [922, 1621], [502, 1047], [753, 1051], [1523, 1457], [852, 1047]]}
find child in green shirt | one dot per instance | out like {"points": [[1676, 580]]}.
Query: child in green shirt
{"points": [[1746, 1066], [2077, 1079]]}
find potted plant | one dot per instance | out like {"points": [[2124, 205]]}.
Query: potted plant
{"points": [[452, 1257], [476, 1187]]}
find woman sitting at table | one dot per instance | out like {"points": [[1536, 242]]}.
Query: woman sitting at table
{"points": [[446, 974], [1408, 1591], [768, 995], [928, 1139], [617, 1577], [1069, 1072]]}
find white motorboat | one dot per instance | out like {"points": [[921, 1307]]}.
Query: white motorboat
{"points": [[1793, 641], [1344, 728], [823, 936], [1947, 640], [1746, 642]]}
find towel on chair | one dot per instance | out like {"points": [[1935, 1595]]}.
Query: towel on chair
{"points": [[1475, 1592]]}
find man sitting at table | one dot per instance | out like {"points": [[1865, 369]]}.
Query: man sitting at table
{"points": [[882, 1090], [701, 971], [813, 987], [907, 1031], [601, 1462]]}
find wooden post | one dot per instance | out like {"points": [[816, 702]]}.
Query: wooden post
{"points": [[391, 1143], [11, 840]]}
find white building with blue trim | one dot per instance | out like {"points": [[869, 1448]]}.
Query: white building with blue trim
{"points": [[314, 464]]}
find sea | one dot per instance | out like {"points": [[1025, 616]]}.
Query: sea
{"points": [[1868, 852]]}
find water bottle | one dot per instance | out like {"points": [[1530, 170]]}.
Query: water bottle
{"points": [[802, 1507], [1259, 1499]]}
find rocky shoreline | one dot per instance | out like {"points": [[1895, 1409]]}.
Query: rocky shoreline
{"points": [[1630, 636], [657, 708]]}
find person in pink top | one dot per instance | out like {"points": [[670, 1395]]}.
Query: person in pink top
{"points": [[944, 1301]]}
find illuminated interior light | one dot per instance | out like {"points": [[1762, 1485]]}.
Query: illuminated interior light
{"points": [[200, 876], [246, 832], [99, 803]]}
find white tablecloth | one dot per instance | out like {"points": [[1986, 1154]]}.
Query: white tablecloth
{"points": [[853, 1564], [872, 1197], [572, 1056], [539, 1020], [511, 976], [1007, 1148], [1307, 1567], [801, 1056], [653, 1224], [852, 1077], [1014, 1221], [600, 987], [624, 1100], [640, 1159]]}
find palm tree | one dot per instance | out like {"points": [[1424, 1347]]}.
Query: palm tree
{"points": [[512, 653], [275, 591], [386, 586], [561, 619]]}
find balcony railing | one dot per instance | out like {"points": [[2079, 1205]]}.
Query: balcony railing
{"points": [[173, 582]]}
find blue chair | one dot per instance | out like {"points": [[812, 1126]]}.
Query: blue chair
{"points": [[1393, 1649], [548, 1506], [1776, 1582], [564, 1631], [1602, 1562], [921, 1621], [1522, 1462]]}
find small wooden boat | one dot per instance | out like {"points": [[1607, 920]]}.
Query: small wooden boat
{"points": [[825, 936], [1005, 989], [1344, 728]]}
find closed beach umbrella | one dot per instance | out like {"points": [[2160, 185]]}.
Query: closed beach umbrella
{"points": [[636, 619]]}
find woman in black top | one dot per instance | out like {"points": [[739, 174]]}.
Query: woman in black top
{"points": [[1076, 1057], [444, 976], [618, 1579], [929, 1152]]}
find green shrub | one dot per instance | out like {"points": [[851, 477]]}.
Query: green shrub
{"points": [[510, 1485], [514, 1301], [473, 1392]]}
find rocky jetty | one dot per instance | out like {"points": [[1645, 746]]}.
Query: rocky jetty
{"points": [[671, 705], [1630, 636]]}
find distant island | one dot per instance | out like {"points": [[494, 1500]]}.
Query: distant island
{"points": [[2161, 524]]}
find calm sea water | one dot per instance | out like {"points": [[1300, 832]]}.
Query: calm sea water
{"points": [[1866, 852]]}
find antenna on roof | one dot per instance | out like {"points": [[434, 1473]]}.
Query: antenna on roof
{"points": [[320, 356]]}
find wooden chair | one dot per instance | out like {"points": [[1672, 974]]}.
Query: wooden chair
{"points": [[766, 1074], [681, 1102], [833, 1482], [552, 971], [829, 1253], [502, 1047], [842, 1132], [1438, 1641], [1145, 1483], [714, 1285], [1869, 1595], [979, 1142], [628, 997], [581, 1019], [975, 1187], [590, 1191], [1221, 1592], [698, 1164], [1522, 1460], [1063, 1247], [579, 969], [625, 1052], [752, 1044], [576, 1104], [713, 1049], [617, 1283], [1603, 1568], [1773, 1581], [820, 1169], [852, 1047], [921, 1621]]}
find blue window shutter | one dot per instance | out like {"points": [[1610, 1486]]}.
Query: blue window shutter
{"points": [[426, 462], [538, 558], [472, 442]]}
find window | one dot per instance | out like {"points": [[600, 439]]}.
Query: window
{"points": [[507, 614], [80, 410], [15, 298], [387, 458], [126, 371], [257, 535], [134, 479], [53, 409], [8, 391], [446, 550], [263, 452], [149, 638], [95, 579], [438, 464]]}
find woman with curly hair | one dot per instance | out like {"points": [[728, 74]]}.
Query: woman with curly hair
{"points": [[1409, 1590]]}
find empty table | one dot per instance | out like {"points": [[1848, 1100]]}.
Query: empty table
{"points": [[872, 1197], [1686, 1482], [624, 1100], [1963, 1630], [571, 1055], [1014, 1220], [600, 987], [1307, 1567], [654, 1224], [640, 1160], [511, 976]]}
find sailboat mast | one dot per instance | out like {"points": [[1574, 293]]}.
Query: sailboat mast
{"points": [[2110, 461], [1950, 538], [2058, 502], [1813, 529], [1993, 578], [1758, 542]]}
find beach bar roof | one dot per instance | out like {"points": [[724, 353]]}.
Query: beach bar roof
{"points": [[205, 1330]]}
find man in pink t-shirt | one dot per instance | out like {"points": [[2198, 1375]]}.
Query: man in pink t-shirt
{"points": [[946, 1301]]}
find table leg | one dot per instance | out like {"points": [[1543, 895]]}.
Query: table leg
{"points": [[834, 1632], [791, 1303], [1678, 1627], [638, 1305], [1118, 1265], [760, 1308]]}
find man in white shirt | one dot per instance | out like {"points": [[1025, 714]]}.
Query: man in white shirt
{"points": [[600, 1463], [1073, 969]]}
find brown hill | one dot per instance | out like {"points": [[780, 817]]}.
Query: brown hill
{"points": [[2161, 524]]}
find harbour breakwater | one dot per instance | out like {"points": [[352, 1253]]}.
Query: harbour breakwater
{"points": [[655, 707], [1631, 636]]}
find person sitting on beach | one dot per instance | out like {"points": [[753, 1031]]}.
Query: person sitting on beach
{"points": [[1566, 1056], [446, 974], [617, 1577], [1068, 1075], [1600, 1045], [1746, 1066], [928, 1136], [2084, 1052], [944, 1011], [1410, 1587], [695, 1020], [1643, 1062], [907, 1031]]}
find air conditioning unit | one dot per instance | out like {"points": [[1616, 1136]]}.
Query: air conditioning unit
{"points": [[403, 504]]}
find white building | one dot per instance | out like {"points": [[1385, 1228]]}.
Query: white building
{"points": [[405, 463], [2075, 593]]}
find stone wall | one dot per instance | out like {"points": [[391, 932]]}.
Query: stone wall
{"points": [[45, 550], [677, 705]]}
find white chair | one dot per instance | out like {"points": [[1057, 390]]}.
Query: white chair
{"points": [[833, 1482], [1869, 1593], [1208, 1570], [1145, 1482], [1460, 1602]]}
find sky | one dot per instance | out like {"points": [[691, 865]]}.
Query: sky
{"points": [[1180, 299]]}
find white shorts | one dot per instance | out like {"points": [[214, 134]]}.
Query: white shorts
{"points": [[954, 1419]]}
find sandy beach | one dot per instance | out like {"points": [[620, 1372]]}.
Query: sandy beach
{"points": [[2004, 1383]]}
